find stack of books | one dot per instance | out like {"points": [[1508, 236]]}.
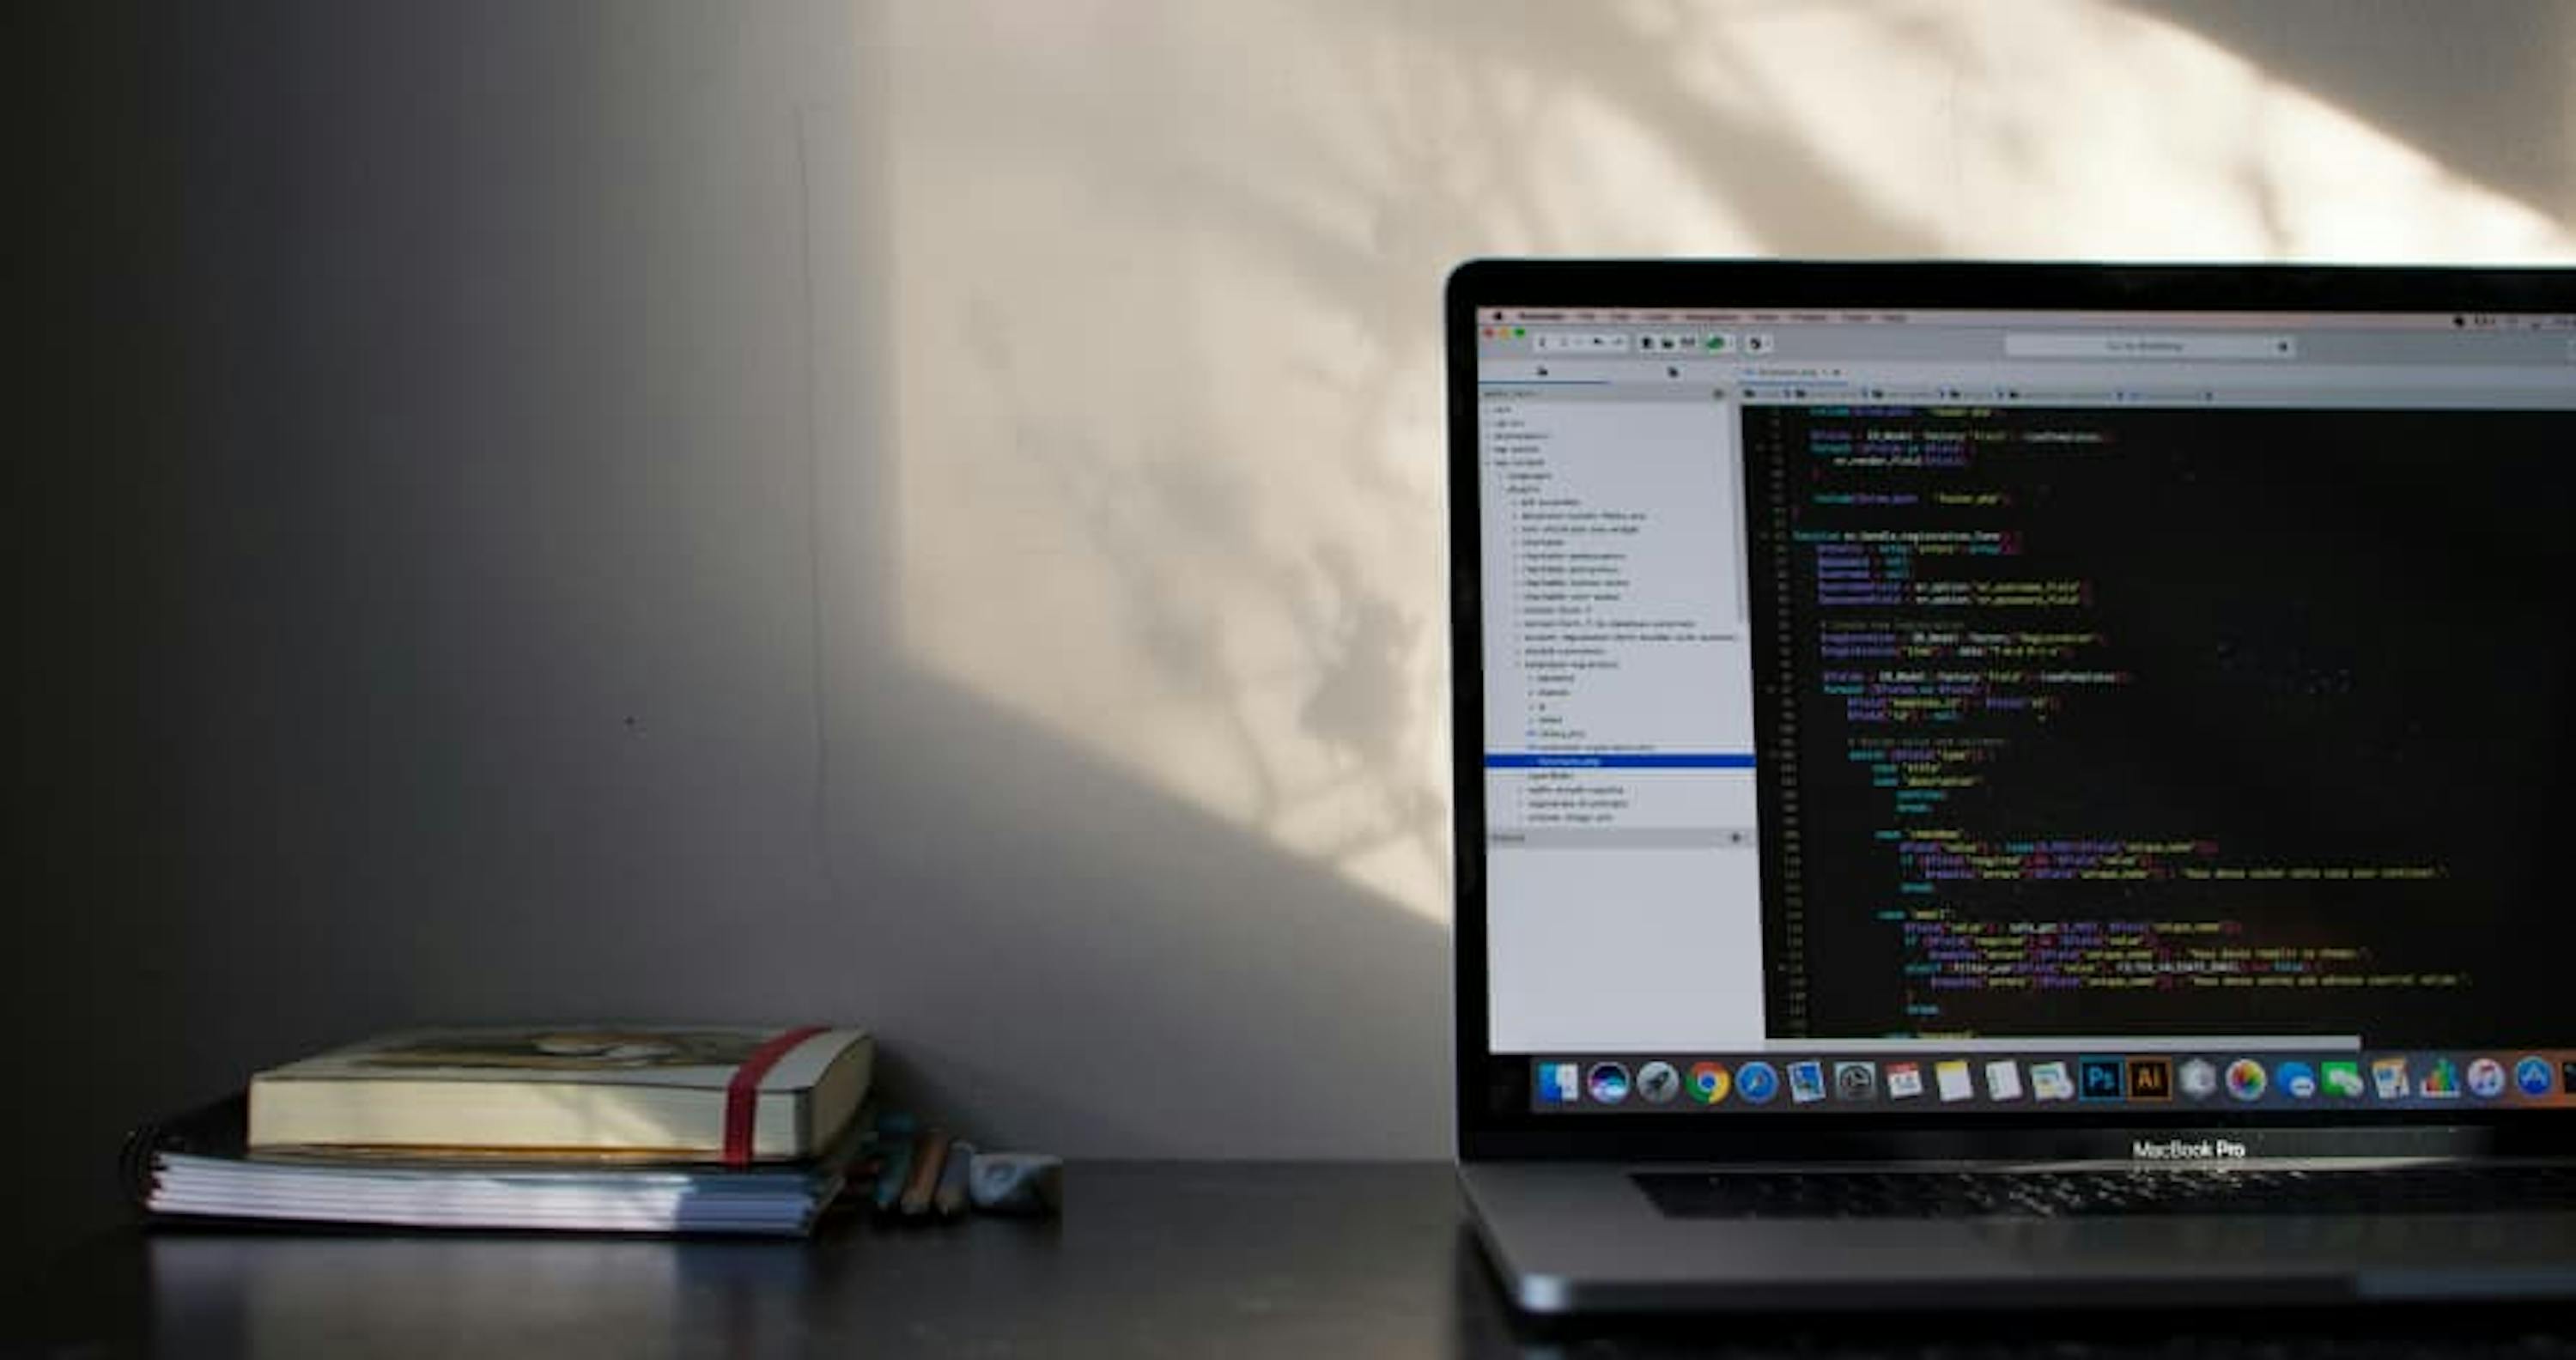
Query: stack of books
{"points": [[600, 1129]]}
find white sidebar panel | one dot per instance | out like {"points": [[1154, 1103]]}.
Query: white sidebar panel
{"points": [[1623, 902]]}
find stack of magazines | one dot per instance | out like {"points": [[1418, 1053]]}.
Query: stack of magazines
{"points": [[597, 1129]]}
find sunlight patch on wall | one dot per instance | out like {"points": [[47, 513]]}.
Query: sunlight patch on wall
{"points": [[2089, 130], [1166, 286]]}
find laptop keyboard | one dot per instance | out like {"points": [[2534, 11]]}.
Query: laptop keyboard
{"points": [[2057, 1194]]}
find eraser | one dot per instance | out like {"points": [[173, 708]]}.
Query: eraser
{"points": [[1017, 1183]]}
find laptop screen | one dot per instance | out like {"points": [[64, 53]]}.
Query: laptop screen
{"points": [[1893, 709]]}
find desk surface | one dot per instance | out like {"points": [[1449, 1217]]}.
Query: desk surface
{"points": [[1151, 1259]]}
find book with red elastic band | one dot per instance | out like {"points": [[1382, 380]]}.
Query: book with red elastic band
{"points": [[734, 1095]]}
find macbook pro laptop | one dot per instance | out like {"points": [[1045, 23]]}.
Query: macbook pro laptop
{"points": [[2014, 784]]}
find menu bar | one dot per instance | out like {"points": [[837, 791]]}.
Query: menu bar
{"points": [[2448, 321]]}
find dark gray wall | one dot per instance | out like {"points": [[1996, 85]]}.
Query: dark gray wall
{"points": [[467, 600]]}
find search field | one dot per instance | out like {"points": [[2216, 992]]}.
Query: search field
{"points": [[2117, 345]]}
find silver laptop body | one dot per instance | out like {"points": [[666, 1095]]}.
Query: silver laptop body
{"points": [[2013, 785]]}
